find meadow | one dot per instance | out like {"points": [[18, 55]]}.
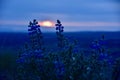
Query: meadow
{"points": [[15, 41], [59, 56]]}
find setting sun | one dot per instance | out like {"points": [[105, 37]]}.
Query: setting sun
{"points": [[47, 24]]}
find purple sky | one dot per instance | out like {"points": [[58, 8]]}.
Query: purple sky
{"points": [[75, 15]]}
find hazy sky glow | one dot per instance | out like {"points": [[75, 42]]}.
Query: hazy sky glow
{"points": [[75, 15]]}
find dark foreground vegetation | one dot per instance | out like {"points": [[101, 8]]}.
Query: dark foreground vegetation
{"points": [[41, 59]]}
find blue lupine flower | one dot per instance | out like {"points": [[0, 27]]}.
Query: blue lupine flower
{"points": [[34, 27], [32, 32], [99, 44], [106, 57], [35, 34], [38, 54], [20, 60], [59, 68], [30, 24], [39, 31], [95, 45], [29, 29], [59, 29], [59, 26], [75, 49], [26, 57], [103, 56], [102, 42]]}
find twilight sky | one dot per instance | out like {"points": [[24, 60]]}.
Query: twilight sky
{"points": [[75, 15]]}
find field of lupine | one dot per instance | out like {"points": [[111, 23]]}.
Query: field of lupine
{"points": [[62, 58]]}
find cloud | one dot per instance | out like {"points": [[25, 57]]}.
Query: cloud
{"points": [[76, 17], [68, 23], [89, 24], [13, 25], [12, 22]]}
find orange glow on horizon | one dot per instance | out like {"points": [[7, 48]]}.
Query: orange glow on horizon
{"points": [[46, 24]]}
